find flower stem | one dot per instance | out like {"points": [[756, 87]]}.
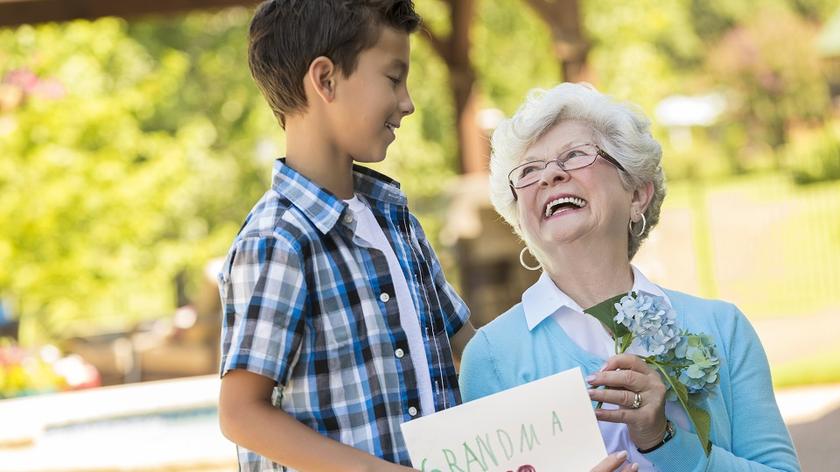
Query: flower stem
{"points": [[682, 396], [621, 345], [600, 404]]}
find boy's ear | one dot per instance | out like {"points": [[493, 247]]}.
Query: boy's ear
{"points": [[321, 76]]}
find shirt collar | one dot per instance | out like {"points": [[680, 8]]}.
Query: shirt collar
{"points": [[544, 298], [322, 207]]}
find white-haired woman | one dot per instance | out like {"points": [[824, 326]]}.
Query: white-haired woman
{"points": [[578, 177]]}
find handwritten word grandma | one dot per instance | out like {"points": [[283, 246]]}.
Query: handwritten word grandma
{"points": [[486, 452]]}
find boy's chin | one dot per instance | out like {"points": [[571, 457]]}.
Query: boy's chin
{"points": [[370, 158]]}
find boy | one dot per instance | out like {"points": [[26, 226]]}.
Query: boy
{"points": [[337, 318]]}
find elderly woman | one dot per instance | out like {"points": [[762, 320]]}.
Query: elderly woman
{"points": [[578, 177]]}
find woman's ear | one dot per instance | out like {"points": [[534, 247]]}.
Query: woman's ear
{"points": [[640, 201], [321, 77]]}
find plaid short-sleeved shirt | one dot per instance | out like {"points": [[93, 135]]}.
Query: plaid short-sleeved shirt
{"points": [[306, 304]]}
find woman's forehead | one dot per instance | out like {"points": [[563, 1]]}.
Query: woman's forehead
{"points": [[558, 138]]}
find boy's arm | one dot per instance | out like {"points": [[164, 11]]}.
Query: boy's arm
{"points": [[455, 312], [461, 338], [266, 299], [247, 417]]}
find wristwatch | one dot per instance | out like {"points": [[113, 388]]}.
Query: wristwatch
{"points": [[669, 433]]}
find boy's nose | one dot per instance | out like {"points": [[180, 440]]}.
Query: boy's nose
{"points": [[407, 105]]}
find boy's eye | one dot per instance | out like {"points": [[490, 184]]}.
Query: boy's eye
{"points": [[395, 80]]}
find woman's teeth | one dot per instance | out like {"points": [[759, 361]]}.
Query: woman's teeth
{"points": [[555, 205]]}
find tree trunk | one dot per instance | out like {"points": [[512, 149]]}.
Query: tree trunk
{"points": [[570, 47], [454, 50], [472, 144]]}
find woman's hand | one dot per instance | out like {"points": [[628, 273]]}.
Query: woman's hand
{"points": [[631, 379], [613, 461]]}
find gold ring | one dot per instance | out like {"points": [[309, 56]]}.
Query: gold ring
{"points": [[637, 401]]}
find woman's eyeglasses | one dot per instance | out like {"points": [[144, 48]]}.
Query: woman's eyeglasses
{"points": [[573, 158]]}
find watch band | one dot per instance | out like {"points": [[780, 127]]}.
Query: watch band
{"points": [[669, 433]]}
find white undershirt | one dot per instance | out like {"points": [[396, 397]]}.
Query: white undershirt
{"points": [[369, 230], [545, 299]]}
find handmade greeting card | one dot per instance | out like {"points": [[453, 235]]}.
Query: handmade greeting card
{"points": [[543, 426]]}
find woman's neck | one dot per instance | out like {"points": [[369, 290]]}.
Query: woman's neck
{"points": [[590, 275]]}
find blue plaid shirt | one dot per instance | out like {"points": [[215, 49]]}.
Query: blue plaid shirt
{"points": [[309, 306]]}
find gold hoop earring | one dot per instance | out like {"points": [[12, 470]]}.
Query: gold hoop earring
{"points": [[522, 260], [641, 231]]}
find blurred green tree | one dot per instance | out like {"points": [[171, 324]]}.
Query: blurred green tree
{"points": [[135, 164], [769, 90], [131, 151]]}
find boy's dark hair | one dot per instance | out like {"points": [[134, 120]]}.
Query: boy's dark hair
{"points": [[287, 35]]}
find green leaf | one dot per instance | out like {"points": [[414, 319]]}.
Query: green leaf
{"points": [[605, 312], [702, 424], [698, 416]]}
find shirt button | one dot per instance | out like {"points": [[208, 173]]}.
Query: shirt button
{"points": [[348, 218], [384, 297], [399, 353], [412, 411]]}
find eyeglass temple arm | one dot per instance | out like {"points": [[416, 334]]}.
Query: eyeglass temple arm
{"points": [[611, 159]]}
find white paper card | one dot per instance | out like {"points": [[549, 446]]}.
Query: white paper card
{"points": [[543, 426]]}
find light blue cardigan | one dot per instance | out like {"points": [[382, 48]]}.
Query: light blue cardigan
{"points": [[747, 433]]}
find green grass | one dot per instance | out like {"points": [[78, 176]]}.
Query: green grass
{"points": [[822, 368], [765, 243]]}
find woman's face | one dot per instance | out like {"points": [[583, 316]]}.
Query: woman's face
{"points": [[563, 207]]}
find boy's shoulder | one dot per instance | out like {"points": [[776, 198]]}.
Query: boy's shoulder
{"points": [[299, 211], [274, 216], [296, 214], [293, 208]]}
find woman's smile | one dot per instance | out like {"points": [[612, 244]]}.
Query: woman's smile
{"points": [[563, 204]]}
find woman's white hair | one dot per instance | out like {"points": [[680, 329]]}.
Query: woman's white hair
{"points": [[621, 129]]}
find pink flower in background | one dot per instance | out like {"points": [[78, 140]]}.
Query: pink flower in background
{"points": [[19, 84], [25, 79], [50, 89], [28, 372]]}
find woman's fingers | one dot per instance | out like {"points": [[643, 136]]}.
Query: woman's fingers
{"points": [[626, 362], [613, 461], [638, 392], [626, 379], [623, 398], [620, 415]]}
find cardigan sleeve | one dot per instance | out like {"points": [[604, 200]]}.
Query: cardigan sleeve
{"points": [[760, 440], [479, 375]]}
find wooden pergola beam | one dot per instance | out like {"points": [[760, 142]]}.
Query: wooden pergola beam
{"points": [[17, 12]]}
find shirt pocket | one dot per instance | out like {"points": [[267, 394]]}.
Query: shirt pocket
{"points": [[332, 326]]}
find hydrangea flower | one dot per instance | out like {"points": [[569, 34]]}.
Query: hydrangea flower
{"points": [[651, 321], [687, 361], [696, 352]]}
